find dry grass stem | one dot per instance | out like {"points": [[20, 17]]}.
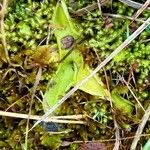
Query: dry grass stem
{"points": [[74, 119], [5, 74], [89, 8], [111, 140], [133, 94], [99, 7], [37, 80], [147, 40], [48, 35], [106, 77], [16, 102], [144, 6], [140, 128], [123, 17], [2, 29], [133, 4], [117, 134]]}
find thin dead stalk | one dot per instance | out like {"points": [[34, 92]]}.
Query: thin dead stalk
{"points": [[16, 102], [140, 128], [107, 140], [123, 17], [73, 119], [100, 66], [106, 77], [133, 94], [117, 134], [94, 6], [2, 29], [89, 8], [99, 6], [133, 4], [144, 6], [147, 40], [37, 80]]}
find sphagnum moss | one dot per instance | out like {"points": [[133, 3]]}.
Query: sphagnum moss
{"points": [[28, 23]]}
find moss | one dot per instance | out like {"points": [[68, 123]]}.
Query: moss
{"points": [[26, 25]]}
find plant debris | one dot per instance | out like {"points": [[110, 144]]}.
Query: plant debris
{"points": [[92, 146]]}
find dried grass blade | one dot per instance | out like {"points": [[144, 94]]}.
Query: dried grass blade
{"points": [[140, 129], [133, 4], [37, 80], [3, 38], [73, 119], [144, 6], [89, 8]]}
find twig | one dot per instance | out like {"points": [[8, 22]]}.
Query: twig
{"points": [[57, 119], [133, 4], [124, 17], [106, 78], [3, 38], [42, 41], [89, 8], [108, 140], [16, 102], [147, 40], [70, 117], [37, 80], [133, 94], [100, 66], [131, 76], [48, 35], [99, 6], [140, 128], [144, 6], [117, 134], [92, 118], [5, 74]]}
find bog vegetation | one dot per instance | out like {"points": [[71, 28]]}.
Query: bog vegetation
{"points": [[47, 47]]}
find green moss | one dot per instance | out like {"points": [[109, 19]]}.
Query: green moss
{"points": [[26, 25]]}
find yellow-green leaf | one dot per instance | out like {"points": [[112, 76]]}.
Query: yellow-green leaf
{"points": [[94, 85], [61, 82], [124, 105], [64, 24]]}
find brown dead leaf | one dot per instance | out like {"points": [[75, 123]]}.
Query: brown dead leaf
{"points": [[92, 146]]}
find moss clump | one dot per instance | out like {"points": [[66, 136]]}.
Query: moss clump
{"points": [[105, 35], [27, 24]]}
